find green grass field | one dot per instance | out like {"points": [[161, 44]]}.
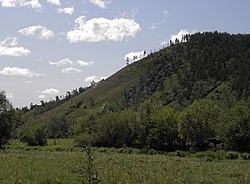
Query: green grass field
{"points": [[60, 162]]}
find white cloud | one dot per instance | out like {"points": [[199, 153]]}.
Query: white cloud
{"points": [[67, 61], [135, 56], [22, 3], [180, 34], [102, 29], [84, 63], [68, 10], [177, 36], [41, 96], [94, 78], [164, 43], [8, 47], [90, 78], [15, 71], [62, 62], [54, 2], [28, 82], [100, 3], [9, 95], [51, 91], [70, 70], [37, 31]]}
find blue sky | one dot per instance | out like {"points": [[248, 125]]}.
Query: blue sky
{"points": [[50, 47]]}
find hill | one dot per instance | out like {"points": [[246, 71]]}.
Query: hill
{"points": [[207, 65], [203, 66]]}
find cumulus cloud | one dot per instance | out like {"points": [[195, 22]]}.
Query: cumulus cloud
{"points": [[9, 95], [90, 78], [164, 43], [54, 2], [50, 91], [76, 64], [180, 34], [70, 70], [94, 78], [135, 56], [15, 71], [102, 29], [68, 10], [37, 31], [8, 47], [62, 62], [41, 96], [100, 3], [177, 36], [84, 63], [21, 3]]}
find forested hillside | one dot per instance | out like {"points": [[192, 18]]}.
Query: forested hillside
{"points": [[179, 97]]}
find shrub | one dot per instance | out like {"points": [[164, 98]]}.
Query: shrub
{"points": [[180, 153], [34, 135], [232, 155], [85, 139]]}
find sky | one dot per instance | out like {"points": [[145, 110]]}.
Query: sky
{"points": [[49, 47]]}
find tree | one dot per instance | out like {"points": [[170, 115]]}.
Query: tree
{"points": [[34, 134], [197, 123], [7, 119], [238, 133], [85, 131], [58, 127], [165, 129]]}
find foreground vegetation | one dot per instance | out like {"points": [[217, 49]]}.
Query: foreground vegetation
{"points": [[61, 162], [191, 96], [180, 97]]}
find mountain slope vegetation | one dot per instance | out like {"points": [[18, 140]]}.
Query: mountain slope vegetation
{"points": [[204, 73]]}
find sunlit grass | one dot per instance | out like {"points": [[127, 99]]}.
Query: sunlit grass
{"points": [[47, 165]]}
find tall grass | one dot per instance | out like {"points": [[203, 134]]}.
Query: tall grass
{"points": [[36, 166]]}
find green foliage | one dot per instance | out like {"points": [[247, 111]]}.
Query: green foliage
{"points": [[88, 172], [238, 132], [232, 155], [164, 129], [58, 127], [197, 123], [34, 135], [85, 131], [7, 119], [41, 166], [122, 110]]}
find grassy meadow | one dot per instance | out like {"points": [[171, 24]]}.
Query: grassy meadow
{"points": [[61, 162]]}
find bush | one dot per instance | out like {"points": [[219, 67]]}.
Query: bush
{"points": [[220, 155], [180, 153], [232, 155], [85, 139], [34, 135]]}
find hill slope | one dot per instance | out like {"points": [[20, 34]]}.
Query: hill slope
{"points": [[209, 65]]}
